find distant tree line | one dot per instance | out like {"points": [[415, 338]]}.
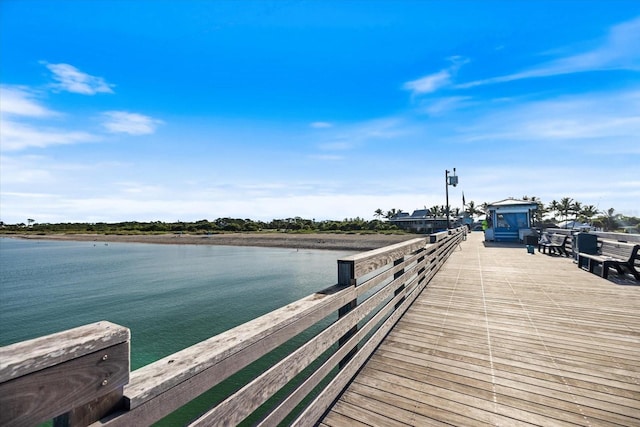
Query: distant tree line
{"points": [[547, 215], [566, 209], [220, 225]]}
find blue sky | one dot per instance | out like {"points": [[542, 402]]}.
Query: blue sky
{"points": [[186, 110]]}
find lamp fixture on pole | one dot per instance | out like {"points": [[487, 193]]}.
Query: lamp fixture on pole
{"points": [[449, 180]]}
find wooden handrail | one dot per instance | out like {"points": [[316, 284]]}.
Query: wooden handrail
{"points": [[373, 291], [76, 375]]}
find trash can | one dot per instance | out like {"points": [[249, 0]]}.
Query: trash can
{"points": [[586, 243]]}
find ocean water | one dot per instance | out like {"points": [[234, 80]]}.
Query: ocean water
{"points": [[170, 296]]}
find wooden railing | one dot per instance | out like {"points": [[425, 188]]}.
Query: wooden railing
{"points": [[81, 376]]}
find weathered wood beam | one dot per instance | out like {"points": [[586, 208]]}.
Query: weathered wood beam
{"points": [[62, 373], [370, 261], [158, 389], [284, 408], [56, 348]]}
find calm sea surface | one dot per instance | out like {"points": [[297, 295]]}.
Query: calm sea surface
{"points": [[170, 296]]}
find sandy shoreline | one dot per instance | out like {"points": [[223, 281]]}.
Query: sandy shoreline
{"points": [[349, 242]]}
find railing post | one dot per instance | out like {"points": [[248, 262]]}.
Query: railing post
{"points": [[76, 376], [346, 277], [92, 411], [396, 276]]}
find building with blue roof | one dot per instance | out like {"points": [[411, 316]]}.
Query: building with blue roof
{"points": [[509, 220]]}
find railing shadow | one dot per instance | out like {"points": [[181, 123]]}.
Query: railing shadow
{"points": [[505, 245]]}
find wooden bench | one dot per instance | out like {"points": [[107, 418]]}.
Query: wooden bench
{"points": [[619, 255], [556, 243]]}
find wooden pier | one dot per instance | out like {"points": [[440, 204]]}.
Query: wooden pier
{"points": [[503, 337], [439, 330]]}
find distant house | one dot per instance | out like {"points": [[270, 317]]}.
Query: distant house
{"points": [[420, 221], [510, 220]]}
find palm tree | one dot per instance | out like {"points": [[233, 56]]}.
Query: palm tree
{"points": [[564, 207], [553, 208], [471, 209], [588, 212], [576, 207], [610, 222], [393, 212], [539, 213], [378, 213]]}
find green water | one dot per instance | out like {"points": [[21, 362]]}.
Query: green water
{"points": [[170, 296]]}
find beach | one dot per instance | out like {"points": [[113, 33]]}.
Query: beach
{"points": [[348, 242]]}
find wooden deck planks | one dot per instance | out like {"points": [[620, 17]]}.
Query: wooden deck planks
{"points": [[502, 337]]}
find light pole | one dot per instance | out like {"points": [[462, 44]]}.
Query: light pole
{"points": [[449, 180]]}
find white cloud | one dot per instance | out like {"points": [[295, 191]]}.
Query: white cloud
{"points": [[430, 83], [98, 198], [70, 79], [192, 207], [360, 134], [138, 188], [17, 136], [19, 107], [321, 125], [23, 170], [383, 128], [20, 101], [441, 106], [327, 157], [594, 121], [618, 51], [131, 123], [336, 145], [435, 81]]}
